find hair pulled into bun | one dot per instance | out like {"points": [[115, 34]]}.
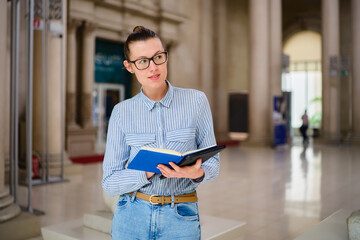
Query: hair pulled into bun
{"points": [[140, 33], [138, 28]]}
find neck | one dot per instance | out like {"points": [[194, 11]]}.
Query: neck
{"points": [[156, 94]]}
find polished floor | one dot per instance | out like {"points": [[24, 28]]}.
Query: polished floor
{"points": [[279, 193]]}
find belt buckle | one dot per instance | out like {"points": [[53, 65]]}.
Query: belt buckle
{"points": [[150, 199]]}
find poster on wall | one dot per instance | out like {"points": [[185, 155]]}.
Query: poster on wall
{"points": [[109, 68], [279, 120]]}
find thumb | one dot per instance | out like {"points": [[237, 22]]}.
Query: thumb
{"points": [[198, 163]]}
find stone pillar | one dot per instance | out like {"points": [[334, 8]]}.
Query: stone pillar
{"points": [[331, 75], [275, 47], [275, 50], [55, 70], [3, 38], [37, 93], [81, 141], [355, 6], [72, 60], [206, 44], [220, 75], [87, 81], [53, 134], [8, 209], [259, 73]]}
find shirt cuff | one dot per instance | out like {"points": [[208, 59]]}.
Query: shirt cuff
{"points": [[198, 180], [143, 179]]}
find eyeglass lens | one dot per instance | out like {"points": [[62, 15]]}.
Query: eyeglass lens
{"points": [[145, 62]]}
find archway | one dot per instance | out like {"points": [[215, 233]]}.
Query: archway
{"points": [[304, 77]]}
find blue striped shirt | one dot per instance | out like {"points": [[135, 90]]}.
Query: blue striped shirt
{"points": [[181, 121]]}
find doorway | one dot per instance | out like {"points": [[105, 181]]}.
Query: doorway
{"points": [[112, 85], [105, 97]]}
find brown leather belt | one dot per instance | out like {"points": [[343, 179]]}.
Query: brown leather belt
{"points": [[156, 199]]}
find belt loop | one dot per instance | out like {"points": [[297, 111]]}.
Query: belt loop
{"points": [[133, 196], [172, 201]]}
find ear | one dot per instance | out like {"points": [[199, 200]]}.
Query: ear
{"points": [[128, 66]]}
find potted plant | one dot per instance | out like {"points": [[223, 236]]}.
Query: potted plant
{"points": [[315, 120]]}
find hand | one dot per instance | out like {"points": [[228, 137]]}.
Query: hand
{"points": [[193, 171], [149, 174]]}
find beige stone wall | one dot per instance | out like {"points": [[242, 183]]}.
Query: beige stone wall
{"points": [[3, 34]]}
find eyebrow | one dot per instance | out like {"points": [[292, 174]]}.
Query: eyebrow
{"points": [[142, 57]]}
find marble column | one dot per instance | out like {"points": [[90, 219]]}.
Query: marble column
{"points": [[8, 209], [3, 38], [206, 44], [275, 50], [37, 93], [54, 98], [331, 75], [259, 121], [72, 60], [87, 81], [355, 6], [221, 114]]}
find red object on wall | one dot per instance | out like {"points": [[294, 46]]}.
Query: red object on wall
{"points": [[35, 167]]}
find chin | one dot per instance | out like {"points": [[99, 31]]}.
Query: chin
{"points": [[158, 82]]}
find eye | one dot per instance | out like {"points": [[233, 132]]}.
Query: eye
{"points": [[158, 57]]}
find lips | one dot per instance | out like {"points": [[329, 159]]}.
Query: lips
{"points": [[154, 77]]}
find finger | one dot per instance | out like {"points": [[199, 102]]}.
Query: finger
{"points": [[174, 166], [163, 167], [165, 170]]}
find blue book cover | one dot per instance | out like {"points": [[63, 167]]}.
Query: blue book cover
{"points": [[147, 158]]}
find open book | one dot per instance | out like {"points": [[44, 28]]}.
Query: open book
{"points": [[147, 158]]}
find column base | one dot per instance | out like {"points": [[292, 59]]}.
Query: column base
{"points": [[28, 223], [73, 126], [257, 141], [355, 138], [8, 209], [81, 141], [332, 138]]}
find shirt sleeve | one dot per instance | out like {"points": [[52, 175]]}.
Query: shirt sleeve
{"points": [[118, 180], [205, 137]]}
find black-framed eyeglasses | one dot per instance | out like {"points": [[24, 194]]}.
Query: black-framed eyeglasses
{"points": [[144, 63]]}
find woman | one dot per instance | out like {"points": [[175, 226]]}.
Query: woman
{"points": [[160, 116], [304, 127]]}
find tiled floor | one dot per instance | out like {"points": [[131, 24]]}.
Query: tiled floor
{"points": [[279, 192]]}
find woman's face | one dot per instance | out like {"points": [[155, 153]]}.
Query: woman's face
{"points": [[153, 77]]}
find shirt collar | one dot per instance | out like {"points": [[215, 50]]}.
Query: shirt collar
{"points": [[165, 101]]}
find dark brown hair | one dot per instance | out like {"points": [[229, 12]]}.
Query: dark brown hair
{"points": [[139, 33]]}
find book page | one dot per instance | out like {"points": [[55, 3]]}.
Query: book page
{"points": [[159, 150], [197, 150]]}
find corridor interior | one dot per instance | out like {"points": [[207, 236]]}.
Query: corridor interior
{"points": [[279, 193]]}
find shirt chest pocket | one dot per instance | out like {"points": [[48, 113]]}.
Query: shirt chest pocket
{"points": [[181, 140], [138, 140]]}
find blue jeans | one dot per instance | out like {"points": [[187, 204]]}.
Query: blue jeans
{"points": [[138, 219]]}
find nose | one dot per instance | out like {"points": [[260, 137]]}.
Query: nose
{"points": [[152, 65]]}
